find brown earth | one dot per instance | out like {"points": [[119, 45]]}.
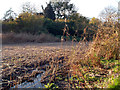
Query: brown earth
{"points": [[22, 62]]}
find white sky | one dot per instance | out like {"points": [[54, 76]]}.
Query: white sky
{"points": [[88, 8]]}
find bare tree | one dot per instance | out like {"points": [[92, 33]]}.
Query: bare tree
{"points": [[28, 7], [109, 14], [9, 15]]}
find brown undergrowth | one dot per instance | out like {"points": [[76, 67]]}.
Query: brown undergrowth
{"points": [[26, 37], [78, 67], [84, 66], [105, 46], [24, 62]]}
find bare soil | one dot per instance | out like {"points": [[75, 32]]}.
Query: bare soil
{"points": [[22, 62]]}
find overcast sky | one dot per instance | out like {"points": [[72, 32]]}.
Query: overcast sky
{"points": [[88, 8]]}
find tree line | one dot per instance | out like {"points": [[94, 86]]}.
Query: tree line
{"points": [[52, 20]]}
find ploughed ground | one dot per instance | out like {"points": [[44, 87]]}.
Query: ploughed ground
{"points": [[23, 62], [52, 61]]}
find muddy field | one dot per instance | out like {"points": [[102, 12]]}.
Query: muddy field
{"points": [[23, 62]]}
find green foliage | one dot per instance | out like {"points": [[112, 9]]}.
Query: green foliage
{"points": [[116, 84], [54, 28], [93, 27], [8, 26], [51, 86], [29, 22], [26, 22], [79, 23], [94, 21]]}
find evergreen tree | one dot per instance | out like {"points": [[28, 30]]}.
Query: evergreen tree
{"points": [[48, 12]]}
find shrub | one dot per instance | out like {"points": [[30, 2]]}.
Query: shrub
{"points": [[54, 27]]}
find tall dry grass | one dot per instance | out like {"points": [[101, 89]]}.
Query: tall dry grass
{"points": [[26, 37], [105, 46], [83, 62]]}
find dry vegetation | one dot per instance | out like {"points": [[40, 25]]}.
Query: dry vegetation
{"points": [[95, 66], [87, 65], [90, 65], [64, 65], [23, 62], [24, 37]]}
